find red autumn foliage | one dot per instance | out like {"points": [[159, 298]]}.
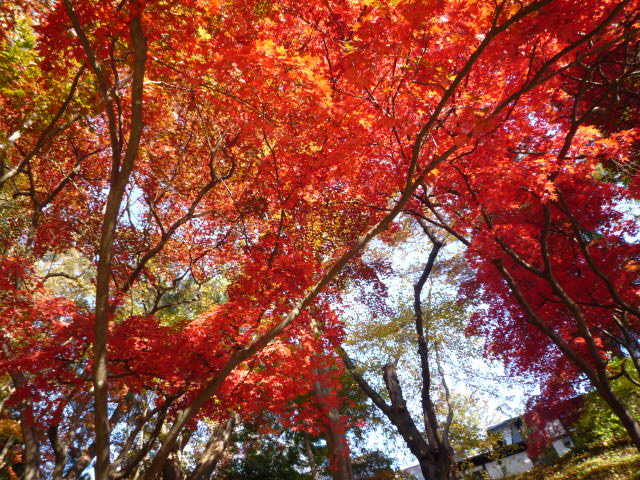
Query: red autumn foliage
{"points": [[265, 144]]}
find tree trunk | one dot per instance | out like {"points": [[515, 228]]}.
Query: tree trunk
{"points": [[426, 455], [59, 452], [432, 466], [29, 434], [338, 448], [217, 444], [335, 435], [310, 458], [31, 450], [121, 167], [628, 421], [171, 469], [597, 375], [437, 435]]}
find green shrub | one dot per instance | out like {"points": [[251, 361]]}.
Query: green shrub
{"points": [[598, 426]]}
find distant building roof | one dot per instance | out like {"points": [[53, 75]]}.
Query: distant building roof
{"points": [[416, 471]]}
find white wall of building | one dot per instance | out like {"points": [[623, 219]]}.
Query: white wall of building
{"points": [[517, 463]]}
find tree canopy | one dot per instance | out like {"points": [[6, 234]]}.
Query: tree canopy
{"points": [[187, 187]]}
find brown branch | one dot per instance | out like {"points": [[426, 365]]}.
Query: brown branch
{"points": [[142, 452], [215, 447], [377, 400], [430, 419], [532, 317], [539, 77], [116, 144], [573, 307], [464, 71], [40, 142], [120, 172], [589, 259]]}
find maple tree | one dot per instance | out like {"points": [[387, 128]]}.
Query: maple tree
{"points": [[550, 234], [261, 145]]}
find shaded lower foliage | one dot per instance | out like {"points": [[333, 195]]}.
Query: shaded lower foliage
{"points": [[269, 461], [372, 465]]}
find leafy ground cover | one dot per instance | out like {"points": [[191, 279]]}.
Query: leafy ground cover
{"points": [[619, 463]]}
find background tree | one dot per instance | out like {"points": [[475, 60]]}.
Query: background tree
{"points": [[388, 341]]}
